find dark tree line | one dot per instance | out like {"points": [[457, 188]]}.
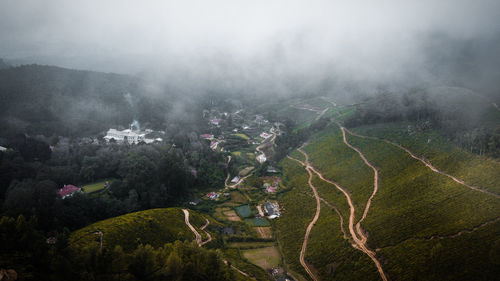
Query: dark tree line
{"points": [[465, 118], [25, 249]]}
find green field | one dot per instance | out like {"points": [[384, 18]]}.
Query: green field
{"points": [[243, 211], [96, 186], [257, 222], [266, 258], [243, 136]]}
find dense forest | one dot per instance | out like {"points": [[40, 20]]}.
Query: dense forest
{"points": [[56, 101], [464, 117]]}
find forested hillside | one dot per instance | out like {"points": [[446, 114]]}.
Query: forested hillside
{"points": [[56, 101]]}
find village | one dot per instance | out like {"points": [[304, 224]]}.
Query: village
{"points": [[248, 201]]}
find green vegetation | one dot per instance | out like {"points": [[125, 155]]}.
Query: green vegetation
{"points": [[250, 245], [412, 205], [472, 168], [257, 222], [298, 210], [96, 186], [243, 136], [154, 227], [338, 162], [243, 211], [265, 258]]}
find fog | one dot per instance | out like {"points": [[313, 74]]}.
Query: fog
{"points": [[263, 46]]}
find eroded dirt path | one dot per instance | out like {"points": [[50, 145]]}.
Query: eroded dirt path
{"points": [[427, 163], [196, 234], [209, 237], [360, 238], [313, 221], [375, 183]]}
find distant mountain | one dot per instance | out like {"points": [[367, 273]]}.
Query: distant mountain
{"points": [[51, 100]]}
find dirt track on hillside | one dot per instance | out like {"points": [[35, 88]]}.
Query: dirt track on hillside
{"points": [[427, 163], [196, 234], [359, 243], [375, 183], [313, 221]]}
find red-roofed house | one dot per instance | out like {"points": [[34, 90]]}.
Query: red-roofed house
{"points": [[68, 191], [207, 136], [215, 121]]}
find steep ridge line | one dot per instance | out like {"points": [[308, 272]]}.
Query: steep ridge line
{"points": [[427, 163], [311, 224], [359, 244], [375, 182]]}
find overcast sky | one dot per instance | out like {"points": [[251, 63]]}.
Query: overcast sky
{"points": [[370, 39]]}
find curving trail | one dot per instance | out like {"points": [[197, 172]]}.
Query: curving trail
{"points": [[375, 183], [206, 232], [196, 234], [428, 164], [359, 243], [311, 224]]}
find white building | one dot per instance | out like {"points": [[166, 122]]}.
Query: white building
{"points": [[3, 148], [132, 137], [261, 158]]}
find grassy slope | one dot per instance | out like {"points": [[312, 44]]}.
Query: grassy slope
{"points": [[413, 203], [471, 168], [328, 252], [338, 162], [297, 211], [155, 227]]}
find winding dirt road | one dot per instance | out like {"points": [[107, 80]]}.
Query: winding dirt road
{"points": [[375, 183], [359, 243], [426, 163], [196, 234], [209, 237], [313, 221]]}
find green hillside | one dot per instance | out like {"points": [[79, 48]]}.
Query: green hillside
{"points": [[154, 227], [422, 224]]}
